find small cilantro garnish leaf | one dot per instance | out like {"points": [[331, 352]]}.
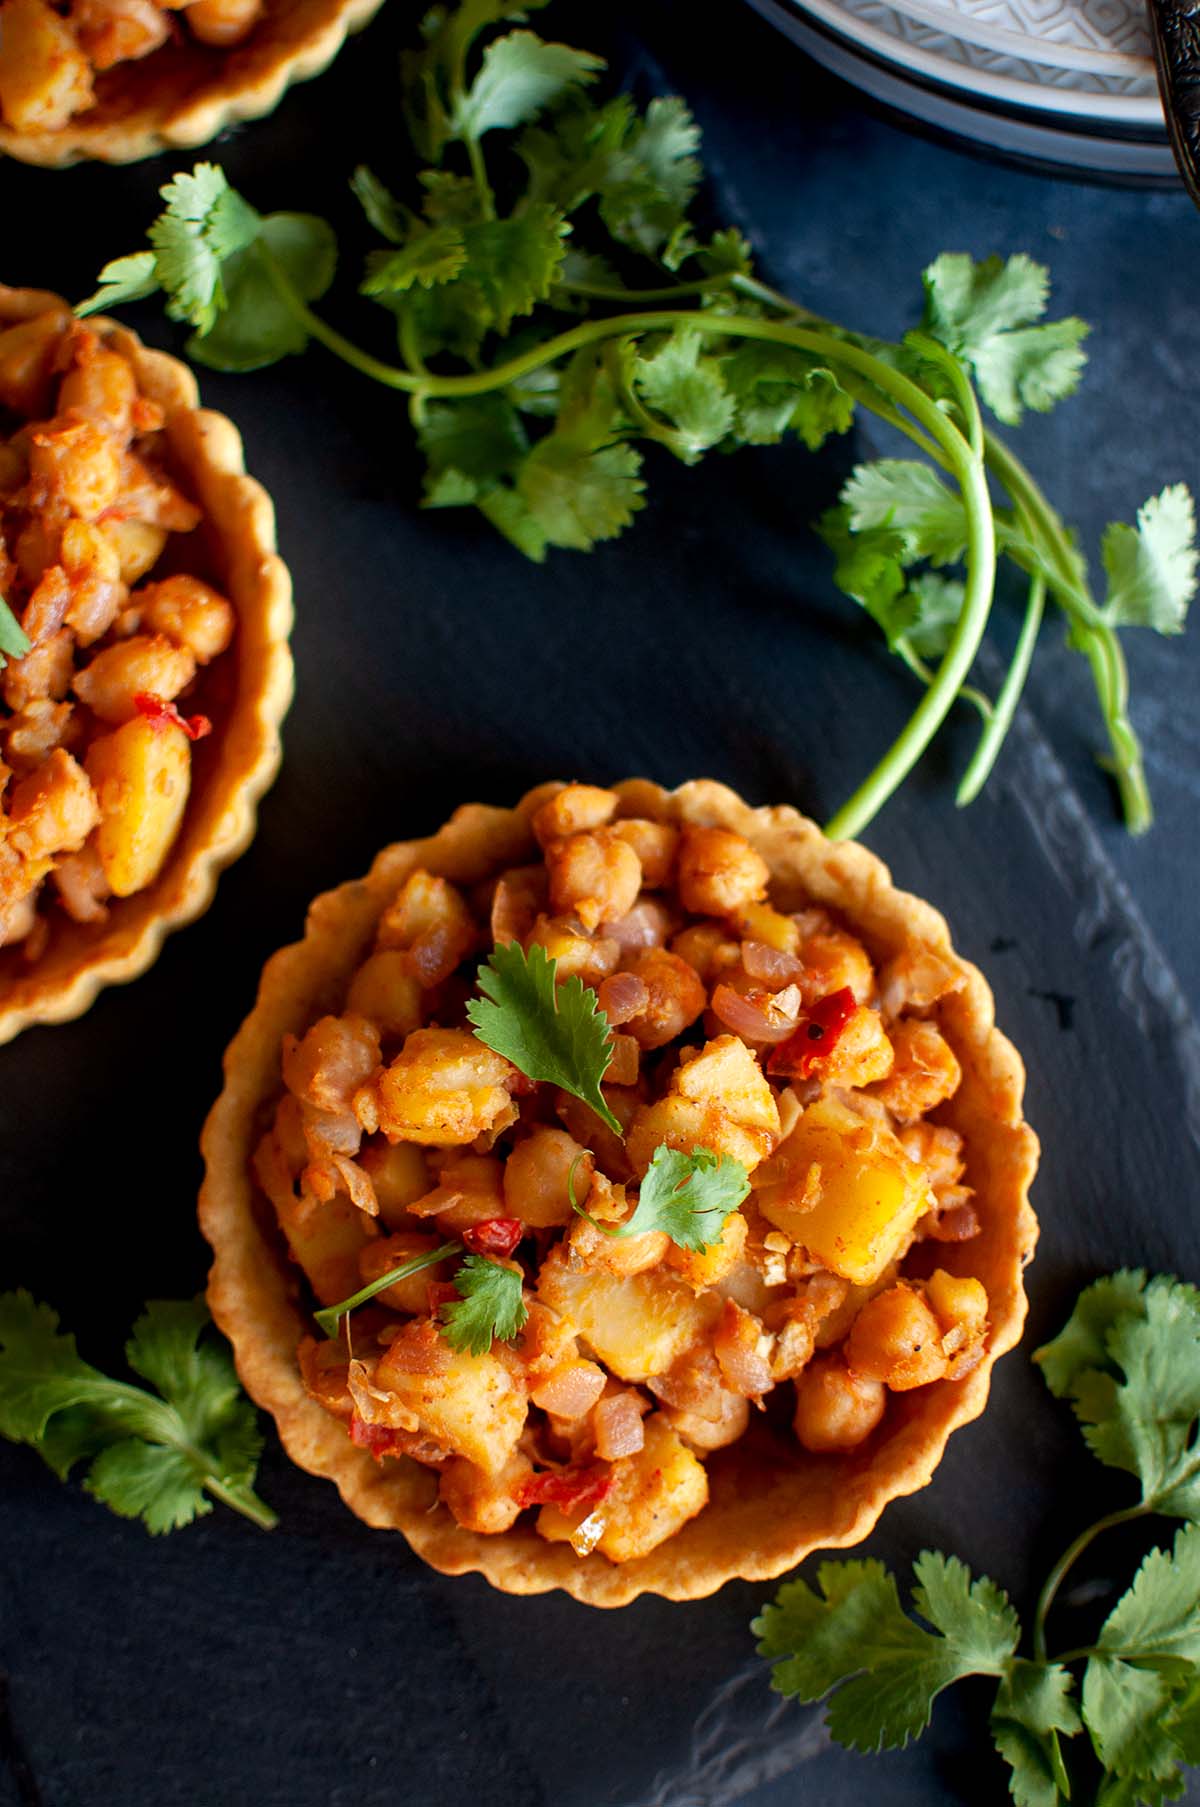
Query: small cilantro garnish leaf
{"points": [[688, 390], [330, 1317], [161, 1458], [648, 191], [984, 314], [853, 1637], [205, 222], [1033, 1705], [690, 1196], [576, 494], [427, 257], [14, 641], [553, 1033], [520, 76], [491, 1307], [1152, 567], [256, 326], [910, 500], [380, 205], [1158, 1619], [778, 390], [1129, 1362], [129, 278], [477, 441]]}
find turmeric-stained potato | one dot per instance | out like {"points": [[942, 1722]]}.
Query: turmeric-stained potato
{"points": [[141, 774], [653, 1494], [443, 1087], [638, 1324], [44, 76], [471, 1404]]}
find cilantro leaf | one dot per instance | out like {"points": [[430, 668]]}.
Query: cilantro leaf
{"points": [[931, 605], [519, 77], [1152, 567], [910, 500], [478, 440], [151, 1457], [428, 258], [330, 1317], [205, 222], [869, 568], [256, 326], [576, 494], [1129, 1362], [690, 1196], [983, 313], [1033, 1705], [1158, 1619], [491, 1306], [554, 1033], [1124, 1709], [854, 1638], [688, 390], [14, 641], [129, 278], [778, 390], [380, 205]]}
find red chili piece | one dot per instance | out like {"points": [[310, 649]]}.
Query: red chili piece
{"points": [[378, 1438], [494, 1236], [567, 1488], [160, 713], [816, 1035]]}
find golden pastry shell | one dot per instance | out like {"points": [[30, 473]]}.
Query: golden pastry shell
{"points": [[184, 94], [770, 1505], [238, 762]]}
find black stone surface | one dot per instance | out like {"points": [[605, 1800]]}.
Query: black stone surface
{"points": [[322, 1666]]}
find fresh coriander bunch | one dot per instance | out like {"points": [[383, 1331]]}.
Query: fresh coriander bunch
{"points": [[162, 1456], [1128, 1360], [557, 310]]}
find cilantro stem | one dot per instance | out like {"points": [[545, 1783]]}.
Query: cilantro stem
{"points": [[330, 1317], [487, 204], [389, 374], [1091, 634], [1066, 1562], [999, 719], [598, 291], [243, 1500]]}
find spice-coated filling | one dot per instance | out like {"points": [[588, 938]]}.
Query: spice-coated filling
{"points": [[575, 1292], [50, 55], [95, 544]]}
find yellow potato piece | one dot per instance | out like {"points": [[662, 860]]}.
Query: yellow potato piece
{"points": [[141, 776], [470, 1404], [845, 1190], [653, 1494], [636, 1324]]}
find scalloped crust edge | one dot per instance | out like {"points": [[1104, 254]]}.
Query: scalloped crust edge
{"points": [[768, 1509], [221, 814], [255, 89]]}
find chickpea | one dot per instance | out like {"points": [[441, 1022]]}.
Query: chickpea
{"points": [[597, 875], [137, 545], [655, 844], [706, 947], [223, 22], [835, 1409], [573, 810], [384, 990], [412, 1293], [719, 872], [82, 885], [896, 1339], [961, 1308], [400, 1176], [145, 664], [430, 921], [190, 613], [101, 386], [38, 544], [53, 810], [46, 671], [328, 1064], [483, 1502], [76, 462], [676, 997], [35, 731], [835, 961], [93, 571], [722, 1422], [44, 76], [536, 1175], [28, 350], [926, 1070]]}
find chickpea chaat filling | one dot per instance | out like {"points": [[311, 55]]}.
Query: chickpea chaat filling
{"points": [[95, 752], [51, 54], [564, 1298]]}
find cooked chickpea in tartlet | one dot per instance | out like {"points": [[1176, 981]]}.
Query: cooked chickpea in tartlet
{"points": [[144, 616], [677, 1160]]}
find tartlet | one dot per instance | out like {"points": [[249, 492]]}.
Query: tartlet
{"points": [[185, 92], [223, 568], [769, 1502]]}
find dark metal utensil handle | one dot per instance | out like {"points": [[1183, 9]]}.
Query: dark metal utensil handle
{"points": [[1176, 27]]}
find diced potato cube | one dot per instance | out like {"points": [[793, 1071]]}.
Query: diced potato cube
{"points": [[141, 775], [636, 1324], [44, 76], [471, 1404], [444, 1087], [653, 1494], [705, 1267], [719, 1100], [857, 1211]]}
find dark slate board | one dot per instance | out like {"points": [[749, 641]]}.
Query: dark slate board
{"points": [[323, 1667]]}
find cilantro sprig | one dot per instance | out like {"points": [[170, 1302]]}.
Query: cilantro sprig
{"points": [[557, 310], [14, 641], [490, 1305], [1129, 1362], [161, 1456], [689, 1196], [553, 1033]]}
